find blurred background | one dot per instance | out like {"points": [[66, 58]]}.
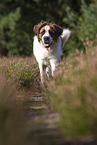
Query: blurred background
{"points": [[17, 19], [67, 105]]}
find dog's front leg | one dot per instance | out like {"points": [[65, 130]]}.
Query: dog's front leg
{"points": [[53, 66], [48, 71], [41, 71]]}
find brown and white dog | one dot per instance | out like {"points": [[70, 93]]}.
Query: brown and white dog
{"points": [[48, 42]]}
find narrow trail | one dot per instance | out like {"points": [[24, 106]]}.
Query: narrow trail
{"points": [[43, 126]]}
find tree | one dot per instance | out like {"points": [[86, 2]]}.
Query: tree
{"points": [[17, 19]]}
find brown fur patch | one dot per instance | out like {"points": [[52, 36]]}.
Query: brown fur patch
{"points": [[56, 30], [37, 28], [42, 29]]}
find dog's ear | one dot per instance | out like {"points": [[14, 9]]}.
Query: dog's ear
{"points": [[58, 29], [39, 26], [36, 29]]}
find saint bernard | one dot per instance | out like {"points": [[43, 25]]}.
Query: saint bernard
{"points": [[48, 42]]}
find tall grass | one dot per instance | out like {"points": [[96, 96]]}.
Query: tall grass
{"points": [[12, 119], [18, 84], [23, 71], [73, 92], [17, 119]]}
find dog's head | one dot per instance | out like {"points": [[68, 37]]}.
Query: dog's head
{"points": [[47, 33]]}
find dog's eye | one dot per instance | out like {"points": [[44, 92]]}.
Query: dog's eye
{"points": [[43, 32], [51, 33]]}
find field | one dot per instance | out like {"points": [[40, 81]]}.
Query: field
{"points": [[72, 93]]}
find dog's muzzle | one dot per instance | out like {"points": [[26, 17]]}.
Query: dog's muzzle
{"points": [[46, 42]]}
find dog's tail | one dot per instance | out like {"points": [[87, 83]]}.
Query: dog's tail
{"points": [[65, 35]]}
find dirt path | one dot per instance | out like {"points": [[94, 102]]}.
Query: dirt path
{"points": [[43, 126]]}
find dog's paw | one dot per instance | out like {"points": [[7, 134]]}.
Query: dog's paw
{"points": [[42, 85]]}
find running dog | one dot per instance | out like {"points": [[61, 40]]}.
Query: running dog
{"points": [[48, 42]]}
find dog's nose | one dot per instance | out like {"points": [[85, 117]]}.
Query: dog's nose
{"points": [[46, 38]]}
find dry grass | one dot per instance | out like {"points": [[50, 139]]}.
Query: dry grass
{"points": [[73, 93], [19, 81], [23, 71], [12, 120]]}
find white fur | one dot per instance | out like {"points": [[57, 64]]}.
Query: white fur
{"points": [[65, 35], [51, 56]]}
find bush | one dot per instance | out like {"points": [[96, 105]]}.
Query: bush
{"points": [[12, 38], [83, 25], [88, 21], [7, 30]]}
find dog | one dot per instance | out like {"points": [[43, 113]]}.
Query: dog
{"points": [[48, 42]]}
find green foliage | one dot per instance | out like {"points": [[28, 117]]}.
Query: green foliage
{"points": [[14, 40], [88, 21], [19, 17], [83, 25], [7, 30]]}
